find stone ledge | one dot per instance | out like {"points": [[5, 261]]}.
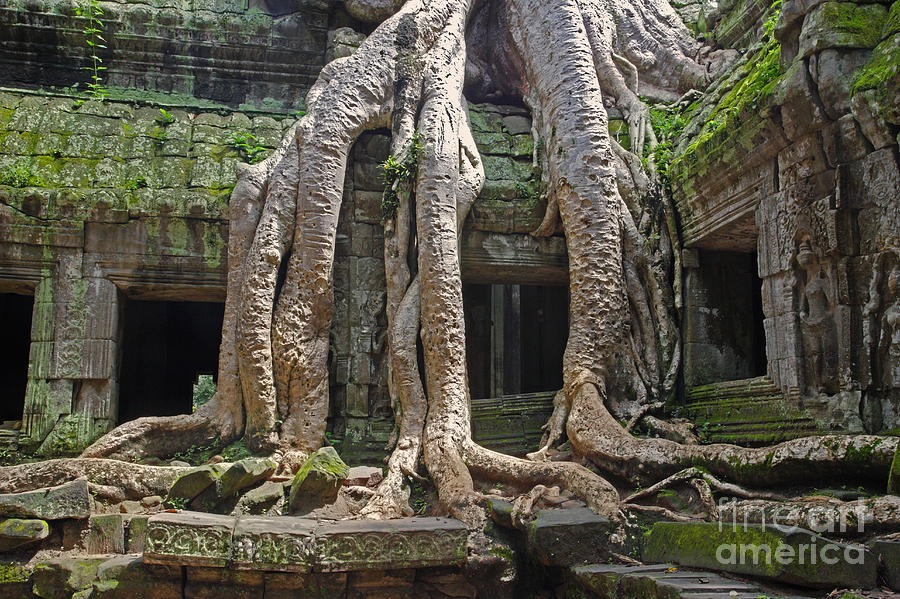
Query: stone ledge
{"points": [[781, 553], [292, 544]]}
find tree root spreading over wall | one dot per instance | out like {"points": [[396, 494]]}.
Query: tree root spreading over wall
{"points": [[572, 58]]}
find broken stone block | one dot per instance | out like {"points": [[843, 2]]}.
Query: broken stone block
{"points": [[893, 486], [360, 475], [106, 534], [348, 545], [152, 501], [71, 500], [318, 481], [190, 484], [15, 582], [243, 474], [889, 554], [136, 534], [15, 533], [278, 544], [128, 577], [569, 537], [260, 500], [658, 580], [131, 507], [60, 577], [786, 554], [188, 538]]}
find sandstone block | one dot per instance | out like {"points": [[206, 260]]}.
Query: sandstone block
{"points": [[283, 544], [15, 532], [318, 481], [243, 474], [106, 534], [71, 500], [780, 553], [189, 538]]}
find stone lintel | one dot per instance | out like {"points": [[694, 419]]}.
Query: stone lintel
{"points": [[189, 539], [390, 544], [284, 544], [292, 544]]}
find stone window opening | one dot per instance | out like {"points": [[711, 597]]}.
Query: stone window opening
{"points": [[168, 348], [15, 341]]}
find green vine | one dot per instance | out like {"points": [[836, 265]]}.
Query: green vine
{"points": [[394, 172], [95, 42]]}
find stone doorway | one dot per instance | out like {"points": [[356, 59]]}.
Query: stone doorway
{"points": [[724, 335], [15, 341], [166, 347], [515, 338]]}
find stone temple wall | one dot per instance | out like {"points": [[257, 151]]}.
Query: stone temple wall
{"points": [[105, 203], [794, 160], [253, 52]]}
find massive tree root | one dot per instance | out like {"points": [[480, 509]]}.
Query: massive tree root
{"points": [[568, 56]]}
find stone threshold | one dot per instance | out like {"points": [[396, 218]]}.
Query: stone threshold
{"points": [[294, 544]]}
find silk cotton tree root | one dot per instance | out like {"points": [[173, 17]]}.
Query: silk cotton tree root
{"points": [[568, 60]]}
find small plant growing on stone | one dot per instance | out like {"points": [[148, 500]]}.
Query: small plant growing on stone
{"points": [[95, 42], [165, 117], [136, 183], [246, 144], [394, 172], [158, 135]]}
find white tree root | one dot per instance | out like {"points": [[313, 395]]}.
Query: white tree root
{"points": [[409, 75]]}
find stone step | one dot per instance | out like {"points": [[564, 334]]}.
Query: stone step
{"points": [[660, 581], [779, 553], [292, 544], [756, 387]]}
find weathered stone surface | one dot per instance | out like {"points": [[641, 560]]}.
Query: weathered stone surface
{"points": [[841, 25], [360, 475], [15, 532], [567, 537], [260, 500], [59, 578], [15, 582], [893, 486], [136, 534], [889, 554], [390, 544], [283, 544], [192, 483], [243, 474], [106, 534], [776, 553], [128, 577], [189, 538], [621, 582], [71, 500], [318, 481]]}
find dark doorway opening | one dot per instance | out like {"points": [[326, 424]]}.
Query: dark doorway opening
{"points": [[15, 341], [515, 338], [166, 346], [724, 335]]}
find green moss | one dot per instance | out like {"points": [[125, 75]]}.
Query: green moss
{"points": [[883, 66], [13, 572], [848, 24]]}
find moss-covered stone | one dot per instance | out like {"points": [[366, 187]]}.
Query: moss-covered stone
{"points": [[893, 485], [318, 481], [15, 533], [778, 553], [842, 25]]}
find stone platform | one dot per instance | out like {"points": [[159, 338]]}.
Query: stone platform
{"points": [[661, 581], [292, 544]]}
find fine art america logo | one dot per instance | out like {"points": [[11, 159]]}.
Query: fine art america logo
{"points": [[781, 534]]}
